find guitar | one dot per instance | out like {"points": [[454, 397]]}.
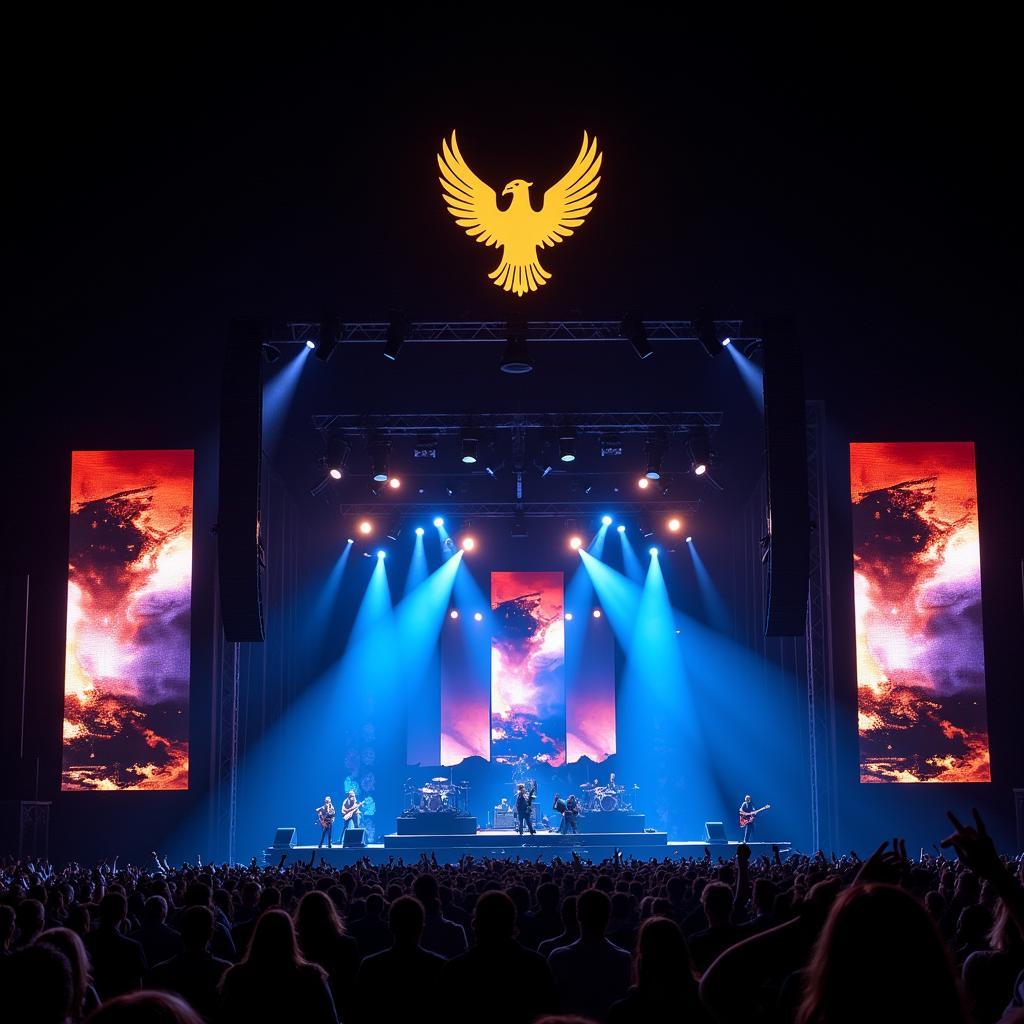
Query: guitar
{"points": [[746, 819], [326, 820], [347, 815]]}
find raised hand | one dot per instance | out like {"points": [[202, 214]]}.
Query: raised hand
{"points": [[974, 846], [885, 865]]}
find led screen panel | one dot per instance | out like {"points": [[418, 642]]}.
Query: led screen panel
{"points": [[917, 595], [527, 668], [126, 677]]}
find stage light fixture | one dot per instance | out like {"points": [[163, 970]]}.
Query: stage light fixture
{"points": [[419, 531], [575, 543], [468, 543], [567, 445], [568, 616], [643, 483], [479, 616], [395, 338], [546, 471], [654, 552], [338, 451], [726, 342], [700, 453], [655, 453], [394, 533], [621, 528], [489, 470], [646, 532], [470, 448], [425, 448], [606, 520], [453, 614], [310, 344], [365, 527], [518, 529], [597, 613], [381, 554], [516, 357], [350, 541], [438, 521], [271, 352], [674, 524], [394, 483], [330, 331], [633, 330], [379, 459]]}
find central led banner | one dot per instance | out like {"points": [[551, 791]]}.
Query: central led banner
{"points": [[528, 668]]}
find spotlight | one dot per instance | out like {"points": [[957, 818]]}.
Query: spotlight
{"points": [[350, 541], [606, 520], [366, 527], [271, 353], [700, 453], [395, 338], [310, 343], [419, 531], [338, 451], [654, 456], [489, 470], [425, 448], [330, 329], [394, 533], [726, 342], [689, 539], [468, 543], [381, 554], [635, 333], [645, 532], [438, 521], [394, 483], [643, 483], [546, 471], [479, 616], [654, 552], [568, 616], [379, 458], [516, 357], [675, 525], [597, 613], [621, 528], [470, 448], [453, 614], [567, 446], [575, 543]]}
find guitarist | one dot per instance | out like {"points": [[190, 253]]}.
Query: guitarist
{"points": [[325, 813], [350, 810], [524, 802], [748, 815]]}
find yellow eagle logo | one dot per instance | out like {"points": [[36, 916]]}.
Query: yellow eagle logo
{"points": [[520, 228]]}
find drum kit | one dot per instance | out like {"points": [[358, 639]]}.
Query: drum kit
{"points": [[608, 798], [439, 796]]}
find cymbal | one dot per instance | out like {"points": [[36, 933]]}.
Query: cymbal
{"points": [[440, 778]]}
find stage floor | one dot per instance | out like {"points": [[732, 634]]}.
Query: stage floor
{"points": [[500, 843]]}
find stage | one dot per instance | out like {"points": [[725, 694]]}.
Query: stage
{"points": [[504, 843]]}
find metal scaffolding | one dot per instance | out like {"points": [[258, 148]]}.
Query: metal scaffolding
{"points": [[455, 331]]}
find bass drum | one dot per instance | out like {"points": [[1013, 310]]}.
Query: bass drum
{"points": [[609, 802], [434, 802]]}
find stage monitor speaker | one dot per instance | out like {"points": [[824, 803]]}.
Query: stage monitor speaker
{"points": [[241, 560], [714, 833], [284, 838], [353, 837], [787, 553]]}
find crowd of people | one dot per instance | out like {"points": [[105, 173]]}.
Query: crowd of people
{"points": [[800, 940]]}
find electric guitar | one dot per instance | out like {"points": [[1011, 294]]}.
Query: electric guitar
{"points": [[326, 820], [347, 815], [746, 819]]}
